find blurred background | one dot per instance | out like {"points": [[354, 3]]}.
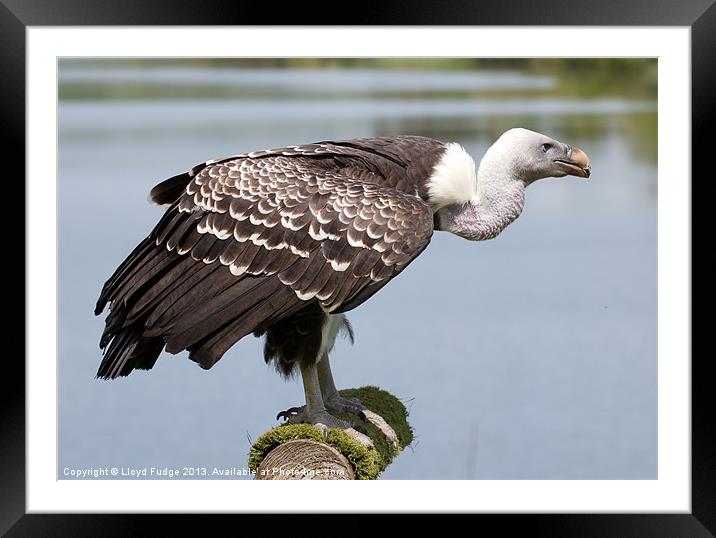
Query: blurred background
{"points": [[531, 356]]}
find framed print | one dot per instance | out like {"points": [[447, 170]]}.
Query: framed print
{"points": [[547, 372]]}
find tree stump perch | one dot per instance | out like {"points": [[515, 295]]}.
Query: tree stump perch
{"points": [[303, 459], [303, 452]]}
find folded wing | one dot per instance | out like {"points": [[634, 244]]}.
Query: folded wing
{"points": [[249, 242]]}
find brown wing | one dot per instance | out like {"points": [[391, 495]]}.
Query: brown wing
{"points": [[253, 240]]}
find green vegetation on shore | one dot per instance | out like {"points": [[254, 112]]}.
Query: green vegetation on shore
{"points": [[631, 78]]}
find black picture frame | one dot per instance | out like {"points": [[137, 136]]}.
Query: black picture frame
{"points": [[699, 15]]}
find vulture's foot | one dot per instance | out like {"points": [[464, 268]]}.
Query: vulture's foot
{"points": [[351, 406], [338, 404], [291, 412], [323, 421]]}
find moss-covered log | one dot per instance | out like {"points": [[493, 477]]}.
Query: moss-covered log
{"points": [[302, 451], [304, 459]]}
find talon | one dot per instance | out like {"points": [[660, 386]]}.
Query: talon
{"points": [[383, 426], [323, 429], [288, 413], [338, 404], [323, 420], [360, 437]]}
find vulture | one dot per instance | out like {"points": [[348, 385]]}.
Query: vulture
{"points": [[281, 243]]}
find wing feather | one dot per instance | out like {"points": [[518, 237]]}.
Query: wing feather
{"points": [[251, 240]]}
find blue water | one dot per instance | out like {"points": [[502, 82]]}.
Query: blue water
{"points": [[532, 356]]}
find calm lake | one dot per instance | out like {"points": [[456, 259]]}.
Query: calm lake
{"points": [[531, 356]]}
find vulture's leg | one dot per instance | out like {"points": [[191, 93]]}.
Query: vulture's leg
{"points": [[314, 412], [335, 403]]}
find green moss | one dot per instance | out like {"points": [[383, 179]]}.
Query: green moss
{"points": [[368, 463], [277, 436], [393, 412], [387, 406]]}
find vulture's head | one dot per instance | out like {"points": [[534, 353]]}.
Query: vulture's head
{"points": [[480, 207], [531, 156]]}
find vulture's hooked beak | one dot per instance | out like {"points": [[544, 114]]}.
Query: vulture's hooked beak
{"points": [[576, 163]]}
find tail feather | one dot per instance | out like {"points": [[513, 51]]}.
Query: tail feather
{"points": [[129, 350], [154, 269], [204, 285], [159, 298], [236, 301], [168, 289], [130, 264], [208, 350], [120, 349], [136, 261]]}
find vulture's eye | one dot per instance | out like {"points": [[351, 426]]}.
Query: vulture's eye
{"points": [[546, 147]]}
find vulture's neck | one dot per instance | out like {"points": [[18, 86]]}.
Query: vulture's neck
{"points": [[476, 206]]}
